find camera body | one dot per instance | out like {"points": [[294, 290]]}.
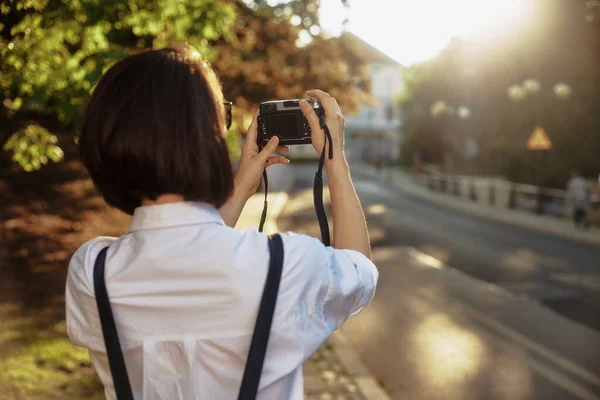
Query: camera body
{"points": [[284, 118]]}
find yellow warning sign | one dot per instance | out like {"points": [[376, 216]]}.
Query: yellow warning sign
{"points": [[539, 140]]}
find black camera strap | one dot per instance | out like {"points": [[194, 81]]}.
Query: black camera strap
{"points": [[318, 185], [258, 344], [263, 216], [317, 188]]}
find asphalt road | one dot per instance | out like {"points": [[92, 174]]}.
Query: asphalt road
{"points": [[434, 332], [558, 272]]}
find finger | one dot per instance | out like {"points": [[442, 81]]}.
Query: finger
{"points": [[269, 149], [252, 130], [311, 116], [283, 149], [277, 160], [325, 100]]}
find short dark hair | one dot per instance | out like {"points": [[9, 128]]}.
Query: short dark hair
{"points": [[155, 125]]}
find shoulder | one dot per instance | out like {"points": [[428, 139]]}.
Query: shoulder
{"points": [[82, 325], [81, 265]]}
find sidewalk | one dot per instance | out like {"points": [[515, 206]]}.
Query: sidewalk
{"points": [[524, 219], [334, 372]]}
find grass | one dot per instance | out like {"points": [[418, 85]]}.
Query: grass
{"points": [[44, 365]]}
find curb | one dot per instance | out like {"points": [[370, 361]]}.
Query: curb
{"points": [[483, 211], [367, 384]]}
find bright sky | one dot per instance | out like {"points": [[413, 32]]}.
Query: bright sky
{"points": [[411, 31]]}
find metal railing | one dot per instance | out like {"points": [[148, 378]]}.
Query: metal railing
{"points": [[500, 193]]}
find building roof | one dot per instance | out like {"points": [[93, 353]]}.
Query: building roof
{"points": [[370, 52]]}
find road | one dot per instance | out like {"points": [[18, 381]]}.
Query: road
{"points": [[435, 332]]}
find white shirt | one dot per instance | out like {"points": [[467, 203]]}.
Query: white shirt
{"points": [[578, 192], [185, 291]]}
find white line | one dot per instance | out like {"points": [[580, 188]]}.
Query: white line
{"points": [[549, 373], [502, 329], [537, 348]]}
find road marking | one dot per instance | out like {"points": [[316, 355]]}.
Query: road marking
{"points": [[566, 364], [515, 336], [548, 372]]}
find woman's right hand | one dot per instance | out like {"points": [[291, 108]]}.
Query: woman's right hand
{"points": [[335, 123], [253, 162]]}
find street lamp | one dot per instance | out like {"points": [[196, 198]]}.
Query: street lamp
{"points": [[464, 112], [562, 90], [440, 109], [531, 86], [516, 93]]}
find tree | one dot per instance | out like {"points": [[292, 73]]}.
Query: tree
{"points": [[53, 53], [478, 72]]}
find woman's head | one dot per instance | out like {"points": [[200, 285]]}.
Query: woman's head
{"points": [[155, 125]]}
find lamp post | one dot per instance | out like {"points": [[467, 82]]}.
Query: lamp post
{"points": [[440, 109]]}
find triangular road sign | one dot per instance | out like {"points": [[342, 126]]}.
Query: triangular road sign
{"points": [[539, 140]]}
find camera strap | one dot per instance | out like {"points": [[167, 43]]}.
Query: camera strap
{"points": [[318, 185], [317, 188], [263, 216]]}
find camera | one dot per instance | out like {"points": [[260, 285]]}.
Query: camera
{"points": [[284, 119]]}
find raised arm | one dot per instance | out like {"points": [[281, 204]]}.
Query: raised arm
{"points": [[247, 179], [349, 225]]}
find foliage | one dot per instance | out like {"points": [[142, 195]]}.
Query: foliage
{"points": [[53, 53], [33, 146], [477, 73]]}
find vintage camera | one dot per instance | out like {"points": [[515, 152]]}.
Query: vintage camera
{"points": [[284, 118]]}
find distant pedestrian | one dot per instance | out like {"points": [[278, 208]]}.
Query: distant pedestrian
{"points": [[578, 199]]}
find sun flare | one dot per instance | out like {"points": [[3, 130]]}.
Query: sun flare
{"points": [[411, 31]]}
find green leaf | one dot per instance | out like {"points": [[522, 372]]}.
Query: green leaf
{"points": [[32, 146]]}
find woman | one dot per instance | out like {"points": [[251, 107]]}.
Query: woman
{"points": [[184, 285]]}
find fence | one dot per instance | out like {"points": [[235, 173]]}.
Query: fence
{"points": [[497, 192]]}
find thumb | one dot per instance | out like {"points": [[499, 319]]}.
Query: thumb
{"points": [[269, 149]]}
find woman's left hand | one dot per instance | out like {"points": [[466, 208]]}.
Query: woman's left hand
{"points": [[253, 162]]}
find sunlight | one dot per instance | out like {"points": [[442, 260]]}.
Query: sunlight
{"points": [[376, 209], [426, 259], [450, 353], [412, 31]]}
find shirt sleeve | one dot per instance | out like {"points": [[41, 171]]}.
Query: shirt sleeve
{"points": [[83, 323], [340, 283]]}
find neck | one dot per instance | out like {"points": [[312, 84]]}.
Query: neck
{"points": [[163, 199]]}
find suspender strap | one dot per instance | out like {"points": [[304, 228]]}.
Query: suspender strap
{"points": [[262, 329], [258, 346], [109, 330]]}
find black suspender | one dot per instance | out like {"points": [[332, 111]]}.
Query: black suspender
{"points": [[258, 345], [262, 328], [109, 331]]}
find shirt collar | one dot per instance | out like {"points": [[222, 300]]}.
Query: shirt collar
{"points": [[174, 214]]}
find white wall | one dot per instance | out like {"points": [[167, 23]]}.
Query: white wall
{"points": [[386, 85], [374, 120]]}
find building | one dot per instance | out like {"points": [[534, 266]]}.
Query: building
{"points": [[373, 134]]}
